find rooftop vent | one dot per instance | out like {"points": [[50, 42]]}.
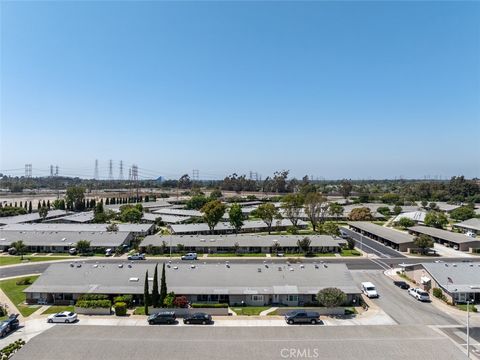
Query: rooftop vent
{"points": [[129, 266], [120, 266], [316, 266], [79, 265], [266, 266], [169, 266], [325, 266], [227, 265], [259, 269], [63, 239], [133, 279], [175, 268], [72, 265], [192, 266], [279, 268], [302, 266], [291, 269], [95, 265]]}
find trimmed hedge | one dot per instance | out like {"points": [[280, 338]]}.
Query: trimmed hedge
{"points": [[120, 309], [214, 306], [438, 293], [127, 299], [93, 304], [88, 297]]}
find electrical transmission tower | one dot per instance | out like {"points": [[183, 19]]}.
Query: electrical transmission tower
{"points": [[134, 173], [56, 170], [28, 170], [110, 170], [51, 170], [120, 175], [195, 175], [95, 174]]}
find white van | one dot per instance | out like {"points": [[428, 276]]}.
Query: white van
{"points": [[369, 290]]}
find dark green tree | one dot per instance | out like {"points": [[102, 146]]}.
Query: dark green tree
{"points": [[163, 286], [235, 216], [155, 293], [146, 294]]}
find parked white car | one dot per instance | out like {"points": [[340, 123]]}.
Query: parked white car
{"points": [[369, 290], [136, 257], [190, 256], [63, 317], [419, 294]]}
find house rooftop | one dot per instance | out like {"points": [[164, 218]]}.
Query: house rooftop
{"points": [[443, 234], [76, 227], [391, 235], [18, 219]]}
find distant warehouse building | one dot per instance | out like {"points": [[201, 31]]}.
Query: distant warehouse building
{"points": [[395, 239], [243, 243], [457, 241], [235, 284], [459, 282]]}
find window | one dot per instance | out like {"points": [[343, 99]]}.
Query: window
{"points": [[257, 297], [292, 298], [202, 297], [213, 297]]}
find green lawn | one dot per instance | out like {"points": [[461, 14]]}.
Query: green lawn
{"points": [[464, 307], [346, 252], [16, 295], [236, 255], [57, 308], [11, 260], [250, 310], [139, 311]]}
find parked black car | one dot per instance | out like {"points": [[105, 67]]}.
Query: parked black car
{"points": [[401, 285], [9, 325], [302, 317], [198, 318], [167, 317]]}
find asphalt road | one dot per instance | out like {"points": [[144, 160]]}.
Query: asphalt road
{"points": [[371, 246], [239, 343], [400, 306]]}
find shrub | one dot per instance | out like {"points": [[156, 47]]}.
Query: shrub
{"points": [[93, 304], [180, 302], [88, 297], [25, 281], [3, 311], [127, 299], [331, 297], [120, 309], [438, 293], [211, 306]]}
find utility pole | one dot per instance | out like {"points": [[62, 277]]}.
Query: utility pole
{"points": [[110, 170]]}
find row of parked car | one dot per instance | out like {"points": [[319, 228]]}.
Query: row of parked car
{"points": [[371, 292]]}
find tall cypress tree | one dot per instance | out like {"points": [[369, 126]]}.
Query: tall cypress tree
{"points": [[30, 207], [146, 294], [163, 286], [155, 294]]}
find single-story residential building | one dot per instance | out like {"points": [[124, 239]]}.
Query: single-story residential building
{"points": [[470, 225], [396, 239], [246, 243], [226, 228], [31, 218], [459, 281], [457, 241], [178, 212], [235, 284], [168, 219], [62, 241], [416, 216], [84, 217], [135, 229]]}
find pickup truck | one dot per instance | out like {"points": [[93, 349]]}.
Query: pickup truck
{"points": [[302, 317], [419, 294]]}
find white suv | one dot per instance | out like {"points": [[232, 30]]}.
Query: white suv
{"points": [[369, 290], [419, 294]]}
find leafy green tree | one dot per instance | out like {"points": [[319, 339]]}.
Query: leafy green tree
{"points": [[235, 217], [405, 222], [155, 294], [384, 210], [216, 194], [267, 212], [292, 205], [346, 188], [196, 202], [397, 209], [335, 210], [169, 299], [75, 197], [163, 286], [330, 228], [112, 228], [462, 213], [360, 214], [43, 212], [275, 247], [390, 198], [213, 212], [20, 248], [331, 297], [436, 219], [146, 294], [83, 246], [236, 247], [131, 213], [316, 208], [304, 245], [99, 215], [423, 242]]}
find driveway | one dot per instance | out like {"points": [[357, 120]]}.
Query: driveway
{"points": [[401, 307]]}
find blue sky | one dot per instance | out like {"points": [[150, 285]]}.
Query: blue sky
{"points": [[332, 89]]}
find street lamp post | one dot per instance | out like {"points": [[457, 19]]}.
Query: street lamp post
{"points": [[468, 328]]}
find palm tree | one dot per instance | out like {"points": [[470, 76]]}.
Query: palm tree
{"points": [[20, 248]]}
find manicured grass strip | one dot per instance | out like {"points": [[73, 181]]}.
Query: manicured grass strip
{"points": [[139, 311], [16, 295], [250, 310], [57, 308], [464, 307], [12, 260], [346, 252]]}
